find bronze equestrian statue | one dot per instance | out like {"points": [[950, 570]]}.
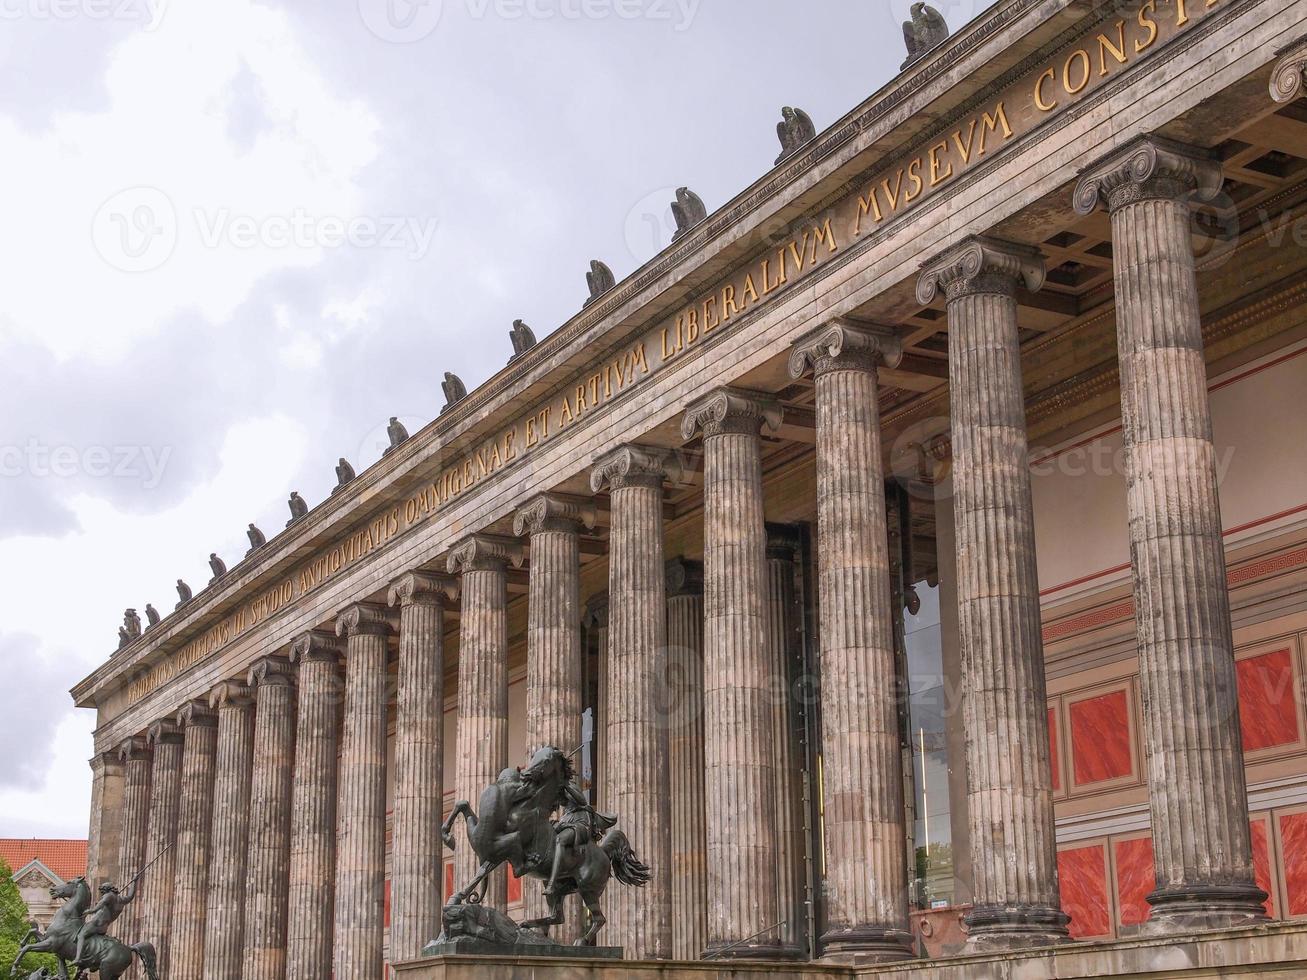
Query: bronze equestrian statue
{"points": [[576, 854], [71, 935]]}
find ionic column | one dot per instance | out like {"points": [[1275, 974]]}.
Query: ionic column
{"points": [[313, 810], [156, 897], [134, 754], [739, 677], [273, 680], [1195, 764], [1010, 797], [791, 878], [361, 856], [862, 772], [596, 620], [1289, 78], [684, 583], [553, 637], [416, 859], [638, 782], [104, 839], [481, 746], [199, 725], [224, 930]]}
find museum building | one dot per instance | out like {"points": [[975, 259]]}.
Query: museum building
{"points": [[914, 553]]}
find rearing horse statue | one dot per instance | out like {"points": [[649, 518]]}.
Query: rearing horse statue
{"points": [[514, 827], [102, 953]]}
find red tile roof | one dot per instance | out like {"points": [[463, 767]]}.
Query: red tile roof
{"points": [[66, 858]]}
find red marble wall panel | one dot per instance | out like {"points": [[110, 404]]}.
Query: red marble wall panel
{"points": [[386, 900], [1136, 878], [1052, 750], [449, 880], [1100, 738], [514, 888], [1268, 711], [1082, 872], [1262, 860], [1293, 845]]}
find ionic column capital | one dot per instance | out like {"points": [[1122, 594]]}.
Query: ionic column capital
{"points": [[485, 553], [164, 731], [783, 542], [632, 466], [1289, 79], [196, 714], [683, 578], [363, 618], [1148, 168], [732, 410], [134, 749], [315, 645], [105, 763], [843, 346], [422, 589], [551, 512], [231, 694], [981, 265], [272, 672]]}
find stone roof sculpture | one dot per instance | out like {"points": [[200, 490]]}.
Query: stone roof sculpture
{"points": [[344, 475], [927, 29], [257, 539], [298, 508], [600, 279], [795, 130], [397, 433], [455, 391], [523, 339], [184, 594], [688, 209], [151, 615], [217, 566]]}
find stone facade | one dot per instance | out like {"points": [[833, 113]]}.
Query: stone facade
{"points": [[829, 741]]}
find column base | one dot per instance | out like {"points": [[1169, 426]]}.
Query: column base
{"points": [[1004, 928], [1202, 908], [867, 945]]}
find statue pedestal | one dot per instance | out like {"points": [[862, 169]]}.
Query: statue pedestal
{"points": [[472, 946]]}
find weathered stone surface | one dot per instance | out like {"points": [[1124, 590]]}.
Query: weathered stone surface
{"points": [[225, 921], [361, 846], [481, 746], [1197, 792], [1010, 799], [866, 880], [553, 645], [1289, 78], [740, 759], [199, 725], [104, 839], [596, 624], [637, 784], [685, 758], [267, 896], [134, 755], [416, 858], [313, 809], [156, 896]]}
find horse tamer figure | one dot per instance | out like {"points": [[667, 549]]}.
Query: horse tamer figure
{"points": [[576, 854], [100, 953]]}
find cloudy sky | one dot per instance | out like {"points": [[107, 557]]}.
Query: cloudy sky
{"points": [[236, 237]]}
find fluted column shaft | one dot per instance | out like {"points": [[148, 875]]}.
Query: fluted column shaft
{"points": [[481, 745], [1197, 792], [190, 890], [596, 620], [862, 774], [104, 839], [638, 782], [137, 766], [266, 902], [225, 924], [782, 548], [416, 859], [313, 812], [739, 679], [1010, 798], [553, 641], [361, 855], [156, 897], [685, 759]]}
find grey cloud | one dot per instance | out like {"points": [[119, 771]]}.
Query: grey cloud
{"points": [[30, 702]]}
